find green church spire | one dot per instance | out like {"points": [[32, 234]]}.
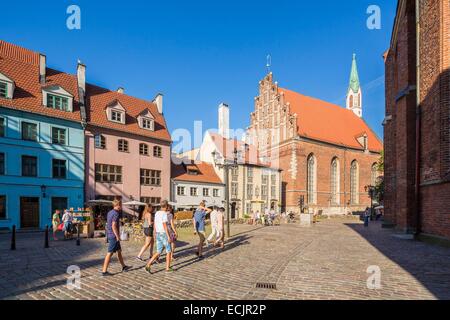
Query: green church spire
{"points": [[354, 79]]}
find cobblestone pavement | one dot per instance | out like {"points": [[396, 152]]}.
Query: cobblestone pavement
{"points": [[326, 261]]}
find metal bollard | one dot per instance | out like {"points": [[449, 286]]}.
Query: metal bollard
{"points": [[46, 237], [13, 238], [78, 235]]}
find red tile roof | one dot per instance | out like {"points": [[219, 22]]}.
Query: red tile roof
{"points": [[327, 122], [206, 173], [22, 66], [226, 148], [97, 100]]}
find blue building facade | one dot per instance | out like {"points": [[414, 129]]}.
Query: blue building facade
{"points": [[41, 167], [42, 120]]}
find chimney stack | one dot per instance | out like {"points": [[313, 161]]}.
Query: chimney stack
{"points": [[42, 68], [81, 79], [224, 120], [120, 90], [159, 102]]}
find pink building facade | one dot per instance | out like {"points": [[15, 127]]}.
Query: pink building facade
{"points": [[128, 148]]}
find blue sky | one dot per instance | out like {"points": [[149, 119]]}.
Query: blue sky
{"points": [[201, 53]]}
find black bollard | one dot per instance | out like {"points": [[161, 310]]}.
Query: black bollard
{"points": [[13, 238], [46, 237], [78, 235]]}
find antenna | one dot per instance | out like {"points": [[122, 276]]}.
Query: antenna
{"points": [[269, 62]]}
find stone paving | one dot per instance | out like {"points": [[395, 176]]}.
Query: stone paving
{"points": [[326, 261]]}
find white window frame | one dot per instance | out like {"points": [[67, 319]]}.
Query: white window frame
{"points": [[57, 91], [10, 86], [181, 191]]}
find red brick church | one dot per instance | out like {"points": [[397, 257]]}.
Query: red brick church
{"points": [[417, 123], [328, 153]]}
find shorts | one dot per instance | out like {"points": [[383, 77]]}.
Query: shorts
{"points": [[148, 232], [162, 242], [201, 235], [68, 226], [113, 245]]}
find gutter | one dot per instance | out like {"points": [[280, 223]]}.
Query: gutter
{"points": [[418, 125]]}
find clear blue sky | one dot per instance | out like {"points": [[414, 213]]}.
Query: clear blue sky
{"points": [[200, 53]]}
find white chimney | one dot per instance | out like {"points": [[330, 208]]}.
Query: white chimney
{"points": [[81, 79], [224, 120], [42, 68], [120, 90], [159, 102]]}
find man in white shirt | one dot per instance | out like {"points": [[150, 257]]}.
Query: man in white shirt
{"points": [[163, 239], [214, 226]]}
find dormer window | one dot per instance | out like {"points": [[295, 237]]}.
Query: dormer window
{"points": [[57, 102], [3, 89], [6, 87], [146, 120], [57, 98], [148, 124], [115, 112], [116, 116]]}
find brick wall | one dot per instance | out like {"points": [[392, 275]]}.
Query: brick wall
{"points": [[400, 132], [324, 154]]}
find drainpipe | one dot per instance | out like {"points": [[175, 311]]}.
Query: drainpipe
{"points": [[418, 124]]}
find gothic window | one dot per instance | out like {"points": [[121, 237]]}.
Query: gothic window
{"points": [[354, 182], [374, 174], [334, 177], [351, 101], [311, 179]]}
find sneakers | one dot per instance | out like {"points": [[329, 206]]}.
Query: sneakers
{"points": [[201, 257], [126, 268], [207, 243], [140, 259], [106, 274]]}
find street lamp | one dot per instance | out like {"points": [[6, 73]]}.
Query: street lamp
{"points": [[43, 189], [371, 192], [226, 165]]}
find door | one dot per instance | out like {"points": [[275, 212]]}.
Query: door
{"points": [[29, 212], [233, 210]]}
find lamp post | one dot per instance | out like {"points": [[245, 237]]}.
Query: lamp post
{"points": [[226, 165], [371, 192]]}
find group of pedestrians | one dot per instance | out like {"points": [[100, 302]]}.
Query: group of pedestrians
{"points": [[265, 218], [159, 228], [64, 223]]}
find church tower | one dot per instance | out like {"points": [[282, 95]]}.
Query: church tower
{"points": [[354, 93]]}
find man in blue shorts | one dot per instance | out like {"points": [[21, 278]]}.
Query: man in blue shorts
{"points": [[113, 234]]}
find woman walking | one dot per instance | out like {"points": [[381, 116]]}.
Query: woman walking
{"points": [[147, 218], [172, 230]]}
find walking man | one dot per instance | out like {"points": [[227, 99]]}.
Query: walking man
{"points": [[113, 234], [199, 226], [215, 234], [163, 239]]}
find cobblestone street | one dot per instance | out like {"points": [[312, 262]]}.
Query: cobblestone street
{"points": [[326, 261]]}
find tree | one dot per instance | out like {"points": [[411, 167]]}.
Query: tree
{"points": [[379, 186]]}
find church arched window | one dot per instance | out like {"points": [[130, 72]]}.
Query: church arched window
{"points": [[334, 180], [351, 101], [354, 182], [374, 174], [311, 179]]}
